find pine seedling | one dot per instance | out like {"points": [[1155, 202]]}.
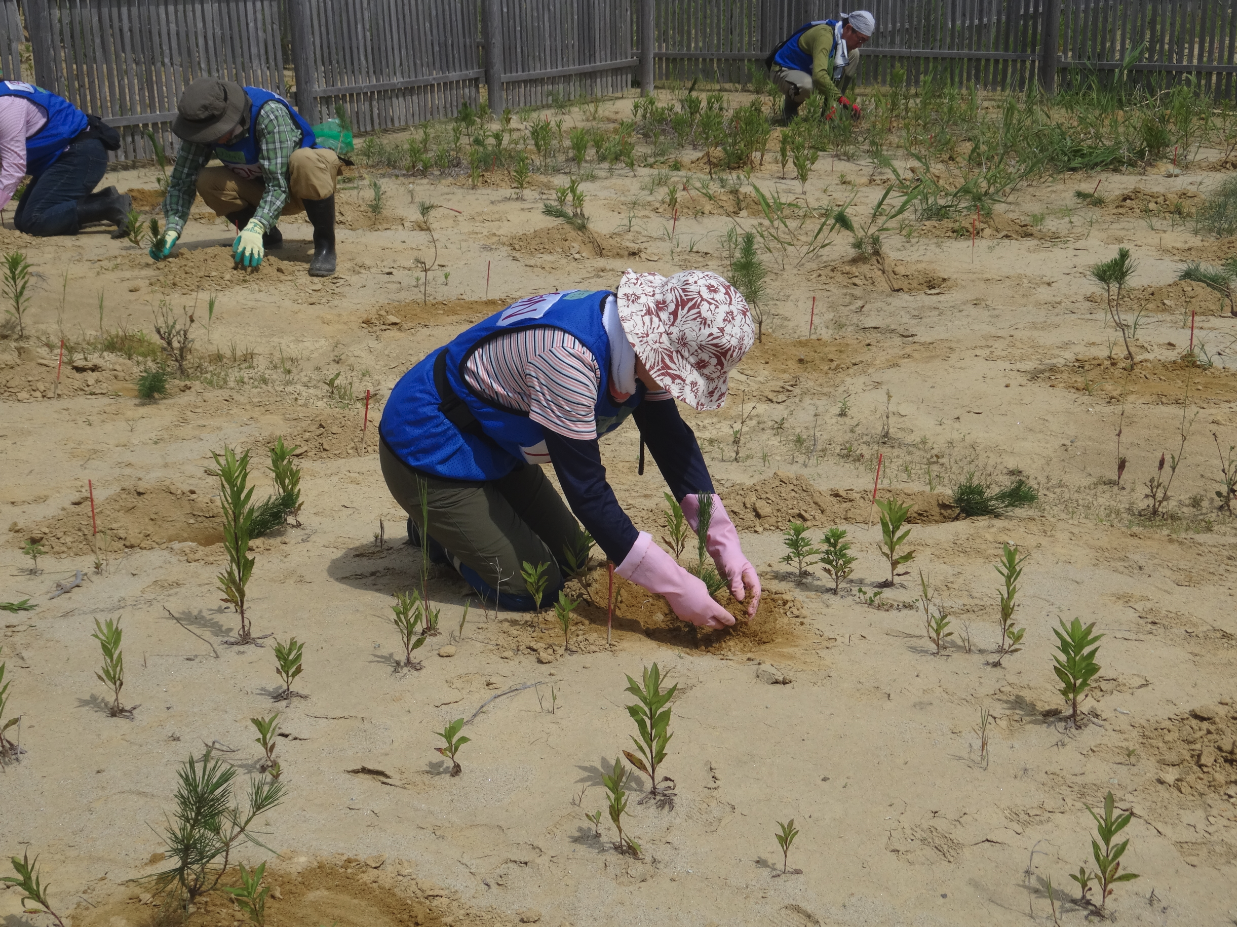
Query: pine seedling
{"points": [[747, 273], [617, 806], [32, 889], [652, 717], [802, 552], [376, 203], [112, 673], [34, 551], [409, 620], [135, 228], [288, 665], [562, 611], [1010, 570], [835, 557], [153, 384], [250, 896], [236, 496], [1076, 665], [1113, 275], [676, 527], [982, 733], [268, 730], [287, 476], [535, 581], [454, 742], [1220, 279], [1108, 860], [786, 834], [15, 277], [893, 517], [703, 568], [8, 749], [578, 555]]}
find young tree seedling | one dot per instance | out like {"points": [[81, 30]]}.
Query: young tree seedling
{"points": [[8, 749], [33, 890], [250, 896], [1076, 665], [152, 384], [676, 527], [236, 496], [268, 730], [595, 820], [936, 628], [454, 742], [535, 581], [747, 273], [562, 611], [174, 335], [893, 517], [1083, 878], [1116, 273], [112, 673], [652, 717], [1010, 570], [15, 277], [34, 551], [288, 665], [409, 621], [786, 834], [982, 733], [703, 568], [835, 557], [617, 806], [286, 503], [1108, 860], [802, 554], [1228, 469], [578, 555]]}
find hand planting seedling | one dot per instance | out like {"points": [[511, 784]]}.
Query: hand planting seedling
{"points": [[1116, 272], [32, 889], [893, 517], [703, 568], [268, 729], [288, 665], [535, 581], [786, 834], [652, 717], [676, 527], [208, 825], [974, 499], [454, 742], [112, 673], [236, 496], [1108, 860], [801, 550], [34, 551], [562, 611], [617, 806], [578, 556], [15, 277], [1076, 666], [1009, 569], [835, 557], [409, 621], [249, 897]]}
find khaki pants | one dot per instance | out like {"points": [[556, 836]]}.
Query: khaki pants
{"points": [[311, 176], [797, 85]]}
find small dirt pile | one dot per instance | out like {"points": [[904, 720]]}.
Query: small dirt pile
{"points": [[147, 200], [563, 239], [1139, 202], [1153, 381], [1196, 752], [997, 225], [413, 313], [722, 203], [205, 270], [326, 434], [1176, 297], [28, 372], [904, 276], [1207, 250], [772, 504]]}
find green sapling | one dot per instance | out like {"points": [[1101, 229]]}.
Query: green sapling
{"points": [[268, 730], [250, 896], [112, 673], [936, 628], [801, 551], [617, 806], [893, 517], [34, 551], [676, 527], [152, 384], [595, 820], [835, 557], [8, 749], [578, 555], [32, 889], [1076, 665], [1010, 570], [652, 717], [451, 735], [786, 834], [703, 568], [562, 611], [288, 665], [15, 277], [236, 497], [1108, 859], [535, 581], [409, 621]]}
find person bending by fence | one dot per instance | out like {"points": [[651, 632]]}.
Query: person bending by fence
{"points": [[540, 382], [271, 167], [820, 56], [65, 153]]}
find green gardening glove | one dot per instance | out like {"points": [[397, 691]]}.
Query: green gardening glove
{"points": [[162, 247], [247, 250]]}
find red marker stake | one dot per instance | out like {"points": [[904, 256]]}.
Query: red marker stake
{"points": [[1097, 186], [1191, 331], [610, 607], [812, 318], [879, 460], [487, 279], [675, 224], [365, 423], [56, 391], [94, 525], [1174, 155]]}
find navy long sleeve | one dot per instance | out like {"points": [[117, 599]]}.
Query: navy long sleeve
{"points": [[673, 445]]}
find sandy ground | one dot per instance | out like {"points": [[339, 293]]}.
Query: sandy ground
{"points": [[993, 359]]}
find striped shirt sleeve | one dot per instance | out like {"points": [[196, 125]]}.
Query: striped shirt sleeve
{"points": [[542, 371]]}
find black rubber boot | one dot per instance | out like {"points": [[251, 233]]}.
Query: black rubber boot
{"points": [[113, 208], [790, 109], [103, 194], [321, 215], [271, 238]]}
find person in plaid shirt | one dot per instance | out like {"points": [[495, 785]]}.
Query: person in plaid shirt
{"points": [[270, 166]]}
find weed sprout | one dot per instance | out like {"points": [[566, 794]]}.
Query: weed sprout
{"points": [[250, 895], [288, 666], [617, 806], [893, 517], [652, 717], [1076, 665], [982, 733], [451, 735], [1228, 469], [1010, 570], [786, 834], [112, 673], [32, 889], [801, 552], [8, 749]]}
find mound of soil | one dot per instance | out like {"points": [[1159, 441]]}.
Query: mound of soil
{"points": [[414, 313], [28, 372], [326, 434], [1209, 251], [774, 503], [998, 225], [724, 203], [904, 276], [561, 238], [144, 515], [212, 269], [1138, 201], [1176, 297], [1196, 752], [147, 200], [1154, 381]]}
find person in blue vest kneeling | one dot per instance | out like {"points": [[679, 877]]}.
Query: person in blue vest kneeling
{"points": [[270, 168], [540, 382], [820, 56], [65, 153]]}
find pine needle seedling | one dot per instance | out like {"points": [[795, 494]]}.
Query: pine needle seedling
{"points": [[236, 497], [1228, 469], [578, 555], [652, 717], [801, 552], [1219, 279], [268, 730], [135, 228], [1108, 859], [152, 384], [451, 735], [209, 824], [409, 620], [562, 611], [835, 557], [275, 510], [32, 889], [34, 551], [617, 806], [1076, 665], [376, 203], [251, 895], [15, 277], [747, 274], [786, 834], [893, 517], [1010, 570], [1113, 275], [676, 527], [703, 568], [974, 498], [982, 733], [8, 749], [112, 673], [288, 665], [535, 580]]}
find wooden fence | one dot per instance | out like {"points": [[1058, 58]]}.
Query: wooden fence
{"points": [[10, 41]]}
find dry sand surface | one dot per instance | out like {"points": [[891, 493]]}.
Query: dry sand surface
{"points": [[824, 709]]}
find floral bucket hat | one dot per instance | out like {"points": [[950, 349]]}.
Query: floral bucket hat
{"points": [[689, 330]]}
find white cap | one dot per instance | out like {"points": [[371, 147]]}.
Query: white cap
{"points": [[861, 21]]}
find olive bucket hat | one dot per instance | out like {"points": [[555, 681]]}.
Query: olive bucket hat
{"points": [[209, 109]]}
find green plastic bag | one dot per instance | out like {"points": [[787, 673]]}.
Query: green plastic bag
{"points": [[331, 134]]}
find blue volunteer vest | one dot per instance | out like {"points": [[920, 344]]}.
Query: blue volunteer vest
{"points": [[419, 432], [242, 155], [64, 123], [794, 58]]}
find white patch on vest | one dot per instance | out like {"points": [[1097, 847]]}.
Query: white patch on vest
{"points": [[20, 85], [530, 307], [537, 454]]}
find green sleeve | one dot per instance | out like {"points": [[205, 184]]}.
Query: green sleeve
{"points": [[818, 42], [182, 185]]}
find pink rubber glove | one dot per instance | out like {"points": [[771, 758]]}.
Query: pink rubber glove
{"points": [[654, 569], [723, 544]]}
